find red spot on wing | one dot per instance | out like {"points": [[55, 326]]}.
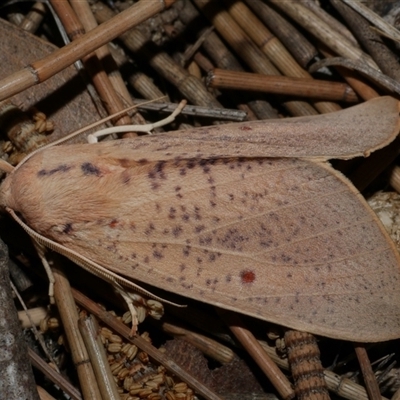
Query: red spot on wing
{"points": [[247, 276]]}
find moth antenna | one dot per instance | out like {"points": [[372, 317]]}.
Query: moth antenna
{"points": [[84, 129], [87, 264], [92, 138], [41, 250], [5, 166]]}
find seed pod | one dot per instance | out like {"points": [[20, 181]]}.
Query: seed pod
{"points": [[243, 216]]}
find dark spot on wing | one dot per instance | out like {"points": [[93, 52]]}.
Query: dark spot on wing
{"points": [[90, 169], [60, 168], [67, 228], [191, 163], [157, 254], [199, 228], [158, 171], [177, 230]]}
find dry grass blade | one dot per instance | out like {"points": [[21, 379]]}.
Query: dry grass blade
{"points": [[374, 18]]}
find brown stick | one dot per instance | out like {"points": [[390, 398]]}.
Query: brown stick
{"points": [[53, 375], [368, 374], [335, 91], [206, 345], [329, 19], [43, 69]]}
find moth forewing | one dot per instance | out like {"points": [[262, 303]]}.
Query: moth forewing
{"points": [[283, 239]]}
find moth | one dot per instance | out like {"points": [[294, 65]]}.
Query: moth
{"points": [[248, 216]]}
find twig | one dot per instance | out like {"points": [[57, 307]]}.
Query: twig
{"points": [[369, 377], [196, 111], [284, 85], [359, 66], [53, 375]]}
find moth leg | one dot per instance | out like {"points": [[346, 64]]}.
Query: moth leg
{"points": [[92, 138], [41, 253], [129, 302]]}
